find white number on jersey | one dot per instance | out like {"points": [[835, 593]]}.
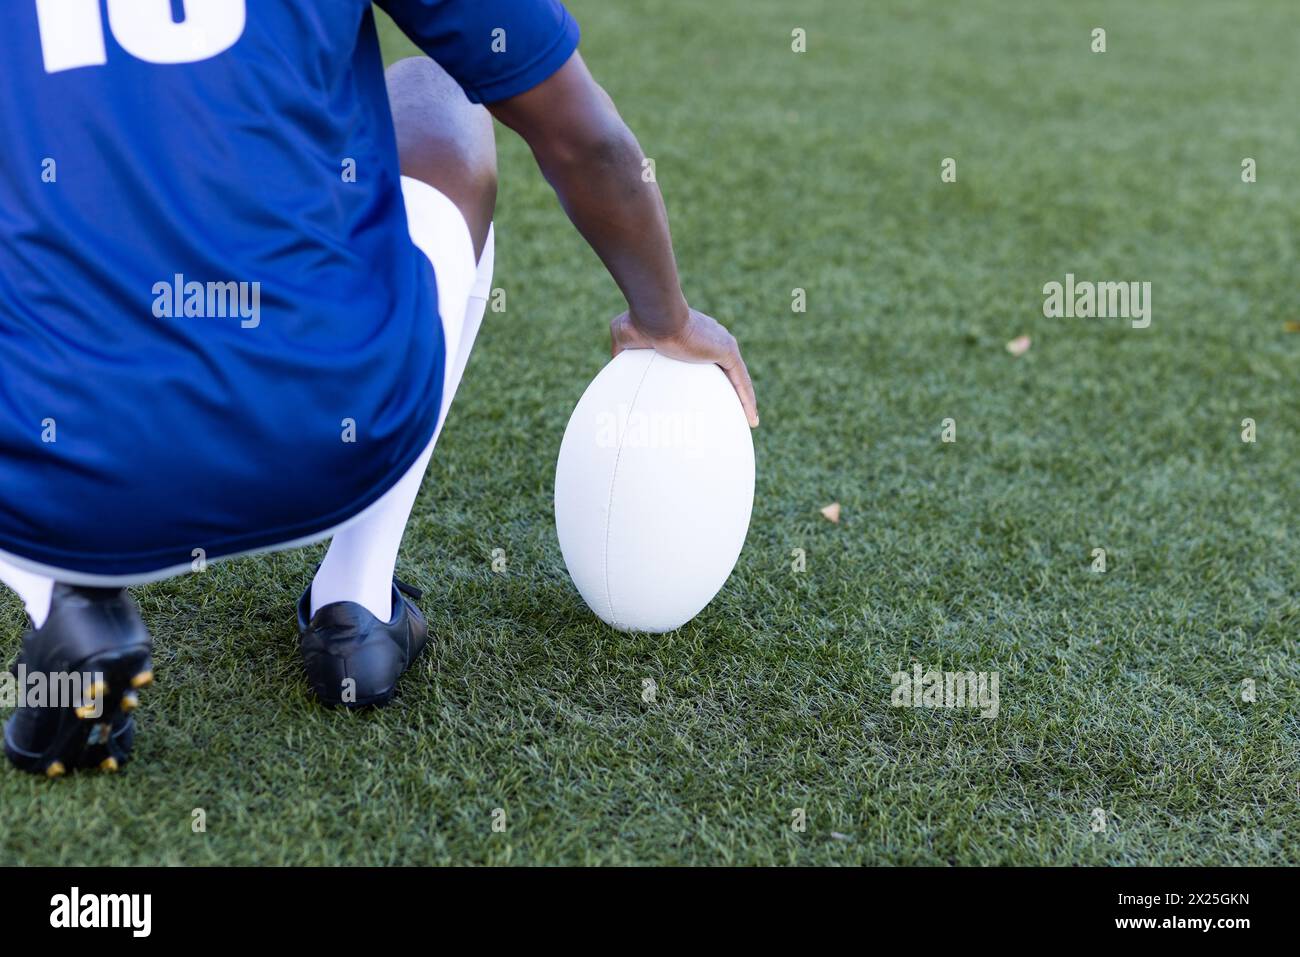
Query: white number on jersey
{"points": [[72, 31]]}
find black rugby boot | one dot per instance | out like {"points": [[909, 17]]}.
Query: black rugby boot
{"points": [[352, 658], [91, 656]]}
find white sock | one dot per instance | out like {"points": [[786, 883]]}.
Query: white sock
{"points": [[363, 555], [35, 590]]}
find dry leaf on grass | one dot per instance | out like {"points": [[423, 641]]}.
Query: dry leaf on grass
{"points": [[1291, 325], [1019, 345]]}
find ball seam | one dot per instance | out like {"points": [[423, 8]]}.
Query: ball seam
{"points": [[609, 505]]}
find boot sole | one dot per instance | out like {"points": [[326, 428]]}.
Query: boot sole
{"points": [[84, 739]]}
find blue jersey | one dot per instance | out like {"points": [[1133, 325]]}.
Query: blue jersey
{"points": [[215, 332]]}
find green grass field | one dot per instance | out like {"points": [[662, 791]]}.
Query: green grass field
{"points": [[1119, 691]]}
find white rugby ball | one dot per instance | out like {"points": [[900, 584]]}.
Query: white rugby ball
{"points": [[653, 490]]}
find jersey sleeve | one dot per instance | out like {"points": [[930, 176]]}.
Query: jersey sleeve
{"points": [[494, 49]]}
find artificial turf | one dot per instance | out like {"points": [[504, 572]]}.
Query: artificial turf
{"points": [[1120, 691]]}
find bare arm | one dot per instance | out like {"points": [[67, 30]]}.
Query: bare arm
{"points": [[595, 165]]}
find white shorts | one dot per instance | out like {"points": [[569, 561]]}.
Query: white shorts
{"points": [[439, 231]]}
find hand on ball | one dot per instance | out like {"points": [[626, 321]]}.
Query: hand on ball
{"points": [[701, 339]]}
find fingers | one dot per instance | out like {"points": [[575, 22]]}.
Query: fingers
{"points": [[738, 373]]}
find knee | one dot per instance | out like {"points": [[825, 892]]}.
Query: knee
{"points": [[444, 139], [478, 162]]}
